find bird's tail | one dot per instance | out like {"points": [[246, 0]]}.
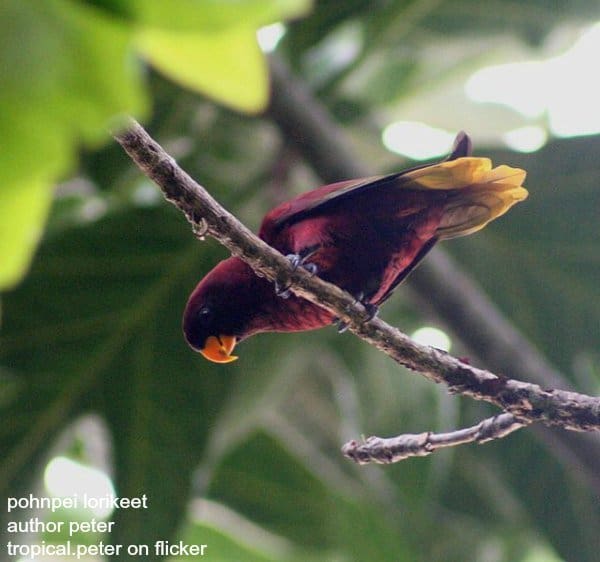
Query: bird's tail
{"points": [[478, 193]]}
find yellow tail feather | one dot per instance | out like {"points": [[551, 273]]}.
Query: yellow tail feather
{"points": [[480, 193]]}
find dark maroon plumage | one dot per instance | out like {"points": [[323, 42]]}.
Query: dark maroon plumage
{"points": [[363, 235]]}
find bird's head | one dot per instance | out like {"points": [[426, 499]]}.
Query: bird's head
{"points": [[219, 310], [204, 334]]}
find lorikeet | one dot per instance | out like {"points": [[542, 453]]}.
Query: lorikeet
{"points": [[364, 235]]}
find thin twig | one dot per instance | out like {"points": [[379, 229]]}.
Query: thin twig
{"points": [[524, 400], [394, 449]]}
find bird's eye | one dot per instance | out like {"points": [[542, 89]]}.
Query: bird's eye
{"points": [[204, 312]]}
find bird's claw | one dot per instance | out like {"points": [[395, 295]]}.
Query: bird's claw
{"points": [[294, 259], [281, 291], [340, 325], [371, 309], [312, 268], [298, 261]]}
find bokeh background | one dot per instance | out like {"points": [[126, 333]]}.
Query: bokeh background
{"points": [[99, 392]]}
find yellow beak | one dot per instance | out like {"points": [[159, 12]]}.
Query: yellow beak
{"points": [[219, 348]]}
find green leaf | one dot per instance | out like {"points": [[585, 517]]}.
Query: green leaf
{"points": [[211, 47], [205, 15], [227, 65], [64, 71], [23, 213]]}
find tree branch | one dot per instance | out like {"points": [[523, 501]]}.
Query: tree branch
{"points": [[395, 449], [527, 402]]}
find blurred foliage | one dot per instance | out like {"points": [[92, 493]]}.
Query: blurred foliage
{"points": [[68, 66], [549, 244], [95, 325]]}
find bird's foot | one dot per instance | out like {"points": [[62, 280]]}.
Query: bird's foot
{"points": [[340, 325], [298, 260], [282, 291], [371, 309]]}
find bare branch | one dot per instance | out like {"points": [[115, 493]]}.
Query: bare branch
{"points": [[524, 400], [395, 449]]}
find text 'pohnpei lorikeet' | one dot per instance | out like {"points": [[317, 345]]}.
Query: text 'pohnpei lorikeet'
{"points": [[363, 235]]}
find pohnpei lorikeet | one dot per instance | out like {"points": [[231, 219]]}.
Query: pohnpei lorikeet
{"points": [[364, 235]]}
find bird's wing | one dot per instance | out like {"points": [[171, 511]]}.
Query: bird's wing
{"points": [[480, 193], [318, 199], [407, 270]]}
